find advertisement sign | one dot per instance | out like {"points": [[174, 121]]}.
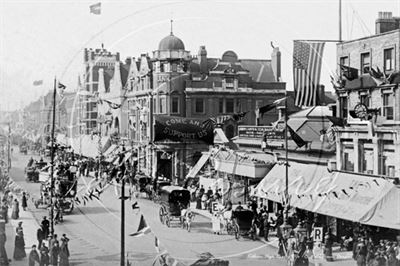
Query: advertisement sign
{"points": [[181, 128], [258, 132]]}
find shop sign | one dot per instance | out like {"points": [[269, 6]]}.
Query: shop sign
{"points": [[182, 129], [318, 234], [257, 132]]}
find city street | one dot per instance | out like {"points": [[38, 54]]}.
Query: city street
{"points": [[94, 231]]}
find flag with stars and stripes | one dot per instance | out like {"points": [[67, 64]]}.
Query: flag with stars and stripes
{"points": [[307, 61]]}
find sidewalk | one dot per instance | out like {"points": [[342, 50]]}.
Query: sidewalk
{"points": [[341, 257], [30, 227]]}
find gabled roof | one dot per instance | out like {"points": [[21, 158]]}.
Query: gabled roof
{"points": [[260, 70]]}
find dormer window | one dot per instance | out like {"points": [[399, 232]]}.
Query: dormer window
{"points": [[229, 82]]}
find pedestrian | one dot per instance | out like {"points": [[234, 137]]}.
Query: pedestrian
{"points": [[44, 255], [45, 227], [24, 201], [361, 253], [19, 247], [64, 251], [3, 253], [54, 250], [33, 256], [266, 225], [40, 237], [15, 210]]}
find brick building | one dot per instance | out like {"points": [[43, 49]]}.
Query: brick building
{"points": [[174, 83], [371, 146]]}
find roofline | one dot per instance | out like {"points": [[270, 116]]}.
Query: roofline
{"points": [[369, 37]]}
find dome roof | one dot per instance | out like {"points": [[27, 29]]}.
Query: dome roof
{"points": [[229, 56], [171, 42]]}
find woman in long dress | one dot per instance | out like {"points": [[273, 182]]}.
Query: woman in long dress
{"points": [[19, 248], [15, 209]]}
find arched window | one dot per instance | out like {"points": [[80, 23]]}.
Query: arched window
{"points": [[116, 125]]}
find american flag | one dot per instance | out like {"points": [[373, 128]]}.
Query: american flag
{"points": [[307, 61]]}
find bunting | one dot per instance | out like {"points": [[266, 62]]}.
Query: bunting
{"points": [[143, 228], [296, 138]]}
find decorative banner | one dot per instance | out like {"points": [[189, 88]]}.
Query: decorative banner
{"points": [[181, 129]]}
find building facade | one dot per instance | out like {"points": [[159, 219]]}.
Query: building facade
{"points": [[174, 83], [371, 146]]}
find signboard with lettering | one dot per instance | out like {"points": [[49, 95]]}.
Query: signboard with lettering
{"points": [[181, 128], [257, 132], [318, 234]]}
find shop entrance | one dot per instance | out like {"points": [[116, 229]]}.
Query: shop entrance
{"points": [[164, 165]]}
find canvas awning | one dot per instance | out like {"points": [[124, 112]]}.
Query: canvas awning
{"points": [[243, 164], [354, 197], [200, 163]]}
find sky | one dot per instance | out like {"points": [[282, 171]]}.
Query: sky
{"points": [[44, 39]]}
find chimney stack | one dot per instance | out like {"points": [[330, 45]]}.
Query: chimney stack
{"points": [[202, 57], [386, 22], [276, 63]]}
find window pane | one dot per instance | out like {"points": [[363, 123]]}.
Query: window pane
{"points": [[221, 106], [388, 56], [199, 108], [175, 105], [230, 107], [365, 62]]}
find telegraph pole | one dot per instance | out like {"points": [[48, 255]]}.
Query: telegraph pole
{"points": [[52, 162]]}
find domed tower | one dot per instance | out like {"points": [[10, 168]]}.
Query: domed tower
{"points": [[170, 70]]}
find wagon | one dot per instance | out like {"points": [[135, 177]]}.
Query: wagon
{"points": [[173, 199]]}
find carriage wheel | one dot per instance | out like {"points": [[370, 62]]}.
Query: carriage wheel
{"points": [[161, 215], [167, 221]]}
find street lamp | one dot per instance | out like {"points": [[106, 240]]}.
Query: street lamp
{"points": [[300, 231]]}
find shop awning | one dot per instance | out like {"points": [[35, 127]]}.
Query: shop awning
{"points": [[200, 163], [354, 197], [244, 164]]}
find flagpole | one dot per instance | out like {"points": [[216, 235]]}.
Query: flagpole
{"points": [[123, 221], [52, 162], [286, 163], [340, 20]]}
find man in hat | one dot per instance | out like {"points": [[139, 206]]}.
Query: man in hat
{"points": [[45, 226]]}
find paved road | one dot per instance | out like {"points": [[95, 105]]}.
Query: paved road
{"points": [[94, 231]]}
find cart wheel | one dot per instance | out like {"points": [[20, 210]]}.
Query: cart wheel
{"points": [[161, 214], [167, 221]]}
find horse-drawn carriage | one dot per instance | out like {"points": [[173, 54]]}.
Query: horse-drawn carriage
{"points": [[173, 200]]}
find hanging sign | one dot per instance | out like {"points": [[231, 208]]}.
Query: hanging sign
{"points": [[181, 129]]}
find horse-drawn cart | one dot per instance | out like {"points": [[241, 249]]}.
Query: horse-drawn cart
{"points": [[173, 200]]}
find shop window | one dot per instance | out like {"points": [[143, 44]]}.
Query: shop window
{"points": [[221, 105], [388, 59], [175, 105], [174, 68], [199, 106], [387, 104], [365, 62], [348, 160], [230, 105]]}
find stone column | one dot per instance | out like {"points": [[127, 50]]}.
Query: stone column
{"points": [[356, 153], [396, 142], [375, 143]]}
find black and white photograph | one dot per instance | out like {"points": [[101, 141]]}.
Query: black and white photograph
{"points": [[199, 132]]}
